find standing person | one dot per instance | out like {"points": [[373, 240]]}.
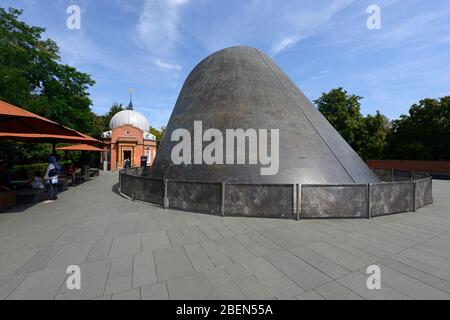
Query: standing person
{"points": [[51, 178], [127, 163]]}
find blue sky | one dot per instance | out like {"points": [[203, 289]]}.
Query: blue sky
{"points": [[152, 45]]}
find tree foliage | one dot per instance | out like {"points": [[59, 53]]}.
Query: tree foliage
{"points": [[32, 77], [366, 135], [159, 134], [423, 134]]}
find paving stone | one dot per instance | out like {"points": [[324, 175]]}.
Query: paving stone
{"points": [[192, 287], [126, 245], [9, 283], [193, 235], [172, 263], [321, 263], [91, 233], [338, 256], [248, 283], [120, 275], [209, 232], [417, 274], [302, 273], [236, 251], [198, 257], [12, 261], [431, 259], [39, 260], [422, 266], [147, 225], [133, 294], [93, 281], [108, 297], [99, 250], [357, 282], [39, 285], [253, 246], [216, 254], [411, 287], [70, 254], [276, 282], [155, 241], [336, 291], [310, 295], [369, 257], [144, 270], [156, 291], [213, 284]]}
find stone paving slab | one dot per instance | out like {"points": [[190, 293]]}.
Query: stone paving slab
{"points": [[93, 281], [155, 240], [120, 276], [275, 281], [306, 276], [125, 245], [11, 262], [40, 285], [198, 257], [172, 263], [130, 250], [336, 291], [156, 291], [321, 263], [144, 271]]}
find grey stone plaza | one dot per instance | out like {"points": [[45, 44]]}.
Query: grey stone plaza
{"points": [[131, 250]]}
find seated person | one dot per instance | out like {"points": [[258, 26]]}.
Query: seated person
{"points": [[37, 182]]}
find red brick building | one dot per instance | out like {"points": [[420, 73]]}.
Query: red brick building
{"points": [[128, 138]]}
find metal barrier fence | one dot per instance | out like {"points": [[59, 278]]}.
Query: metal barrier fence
{"points": [[403, 192]]}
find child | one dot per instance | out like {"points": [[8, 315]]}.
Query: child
{"points": [[37, 183]]}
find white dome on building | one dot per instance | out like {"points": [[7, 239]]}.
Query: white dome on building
{"points": [[129, 117]]}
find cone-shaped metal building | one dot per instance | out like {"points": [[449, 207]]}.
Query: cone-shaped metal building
{"points": [[242, 88]]}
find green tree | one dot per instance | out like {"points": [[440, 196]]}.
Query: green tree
{"points": [[423, 134], [366, 135], [377, 128], [115, 108], [343, 111], [31, 75], [101, 123], [159, 134]]}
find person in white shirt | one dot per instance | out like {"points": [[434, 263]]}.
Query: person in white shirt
{"points": [[51, 178]]}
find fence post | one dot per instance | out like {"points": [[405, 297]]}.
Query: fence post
{"points": [[166, 198], [431, 187], [120, 182], [299, 199], [222, 200], [414, 196], [369, 201], [132, 192]]}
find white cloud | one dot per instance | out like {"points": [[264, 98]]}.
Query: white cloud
{"points": [[158, 27], [307, 23], [169, 66]]}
